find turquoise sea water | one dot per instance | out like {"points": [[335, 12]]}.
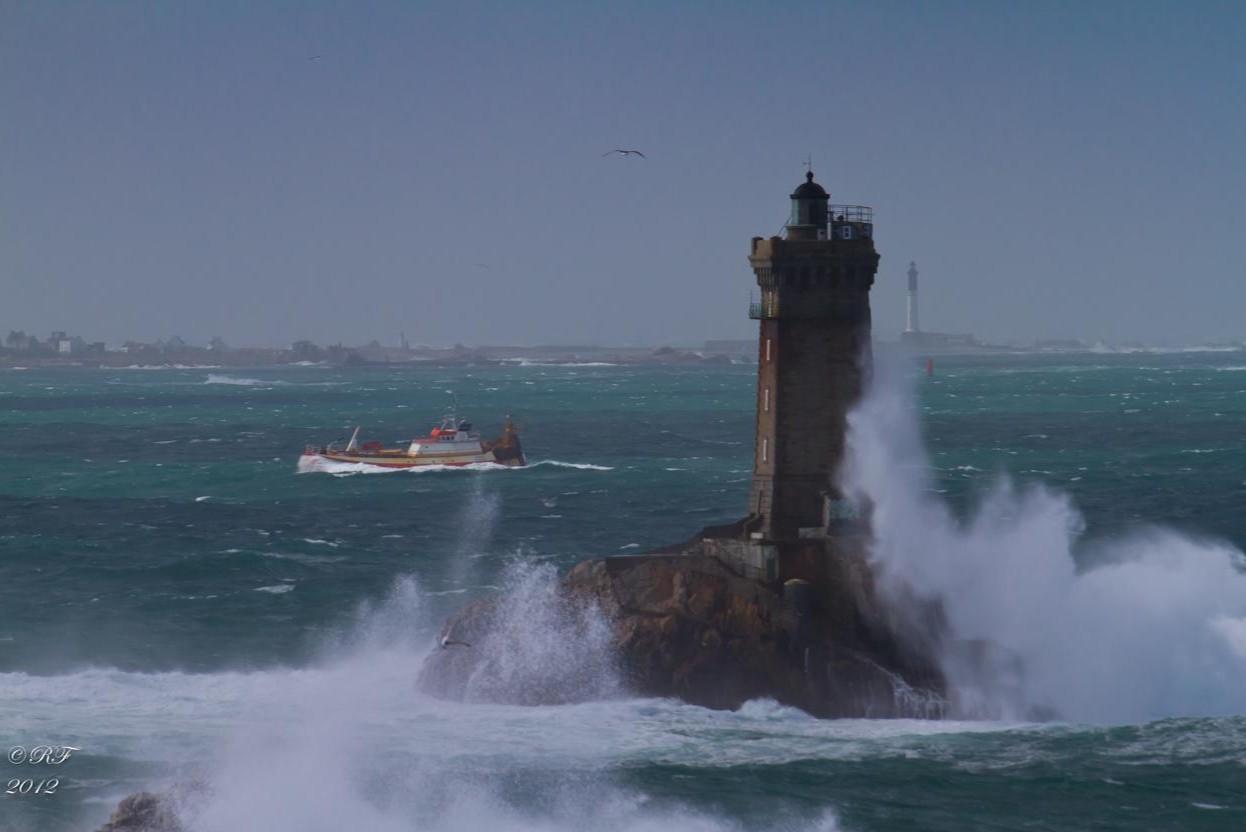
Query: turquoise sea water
{"points": [[183, 606]]}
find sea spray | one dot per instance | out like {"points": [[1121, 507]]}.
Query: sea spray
{"points": [[476, 522], [1143, 626], [399, 622], [541, 646], [353, 746]]}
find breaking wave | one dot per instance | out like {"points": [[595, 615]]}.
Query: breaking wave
{"points": [[350, 744], [240, 381], [530, 362], [170, 367], [553, 649], [1102, 347], [582, 466], [1040, 619]]}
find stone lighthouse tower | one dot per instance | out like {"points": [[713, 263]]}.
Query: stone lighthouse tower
{"points": [[813, 347]]}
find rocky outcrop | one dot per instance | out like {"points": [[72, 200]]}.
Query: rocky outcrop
{"points": [[143, 812], [690, 626]]}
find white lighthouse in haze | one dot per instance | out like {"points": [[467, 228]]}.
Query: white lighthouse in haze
{"points": [[912, 325]]}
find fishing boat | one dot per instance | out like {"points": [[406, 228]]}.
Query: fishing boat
{"points": [[453, 442]]}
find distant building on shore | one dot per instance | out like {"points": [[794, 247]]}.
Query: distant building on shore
{"points": [[58, 345]]}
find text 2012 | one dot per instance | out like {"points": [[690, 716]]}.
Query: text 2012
{"points": [[29, 786]]}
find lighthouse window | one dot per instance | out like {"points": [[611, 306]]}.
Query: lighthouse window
{"points": [[765, 446], [767, 349], [766, 403]]}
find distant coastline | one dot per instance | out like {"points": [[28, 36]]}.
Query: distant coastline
{"points": [[311, 355], [176, 354]]}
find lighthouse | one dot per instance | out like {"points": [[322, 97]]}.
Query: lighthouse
{"points": [[813, 348], [912, 324]]}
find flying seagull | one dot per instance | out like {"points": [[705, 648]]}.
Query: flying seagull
{"points": [[447, 642], [623, 152]]}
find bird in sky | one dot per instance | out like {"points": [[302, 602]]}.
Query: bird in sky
{"points": [[447, 643], [623, 152]]}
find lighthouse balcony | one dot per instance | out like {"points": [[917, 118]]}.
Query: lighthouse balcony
{"points": [[850, 213], [763, 309], [850, 222]]}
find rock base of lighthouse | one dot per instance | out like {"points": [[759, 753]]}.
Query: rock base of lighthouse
{"points": [[719, 621]]}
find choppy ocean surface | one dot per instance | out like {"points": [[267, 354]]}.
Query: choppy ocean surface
{"points": [[184, 606]]}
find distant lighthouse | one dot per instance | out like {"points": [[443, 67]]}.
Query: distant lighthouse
{"points": [[813, 343], [912, 324]]}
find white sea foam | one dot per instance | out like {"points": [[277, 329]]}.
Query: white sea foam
{"points": [[299, 557], [350, 744], [530, 362], [239, 381], [582, 466], [1142, 626], [1110, 348], [171, 367]]}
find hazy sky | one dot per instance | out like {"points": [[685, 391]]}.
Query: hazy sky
{"points": [[273, 171]]}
